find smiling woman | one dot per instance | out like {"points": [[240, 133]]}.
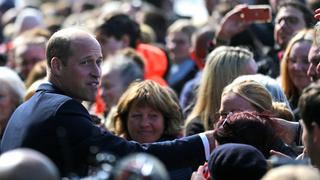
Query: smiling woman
{"points": [[147, 112], [294, 67]]}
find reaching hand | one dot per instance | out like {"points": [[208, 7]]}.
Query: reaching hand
{"points": [[201, 173]]}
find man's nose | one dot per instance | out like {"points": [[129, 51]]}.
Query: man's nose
{"points": [[96, 71]]}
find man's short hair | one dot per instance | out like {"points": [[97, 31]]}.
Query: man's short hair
{"points": [[309, 104], [306, 11], [58, 46], [119, 25]]}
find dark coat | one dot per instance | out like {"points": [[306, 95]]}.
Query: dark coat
{"points": [[61, 128]]}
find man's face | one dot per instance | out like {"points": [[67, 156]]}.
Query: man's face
{"points": [[289, 20], [80, 77], [314, 62], [111, 87], [110, 45], [179, 46], [30, 55]]}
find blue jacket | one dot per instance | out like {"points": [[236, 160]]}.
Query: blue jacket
{"points": [[61, 128]]}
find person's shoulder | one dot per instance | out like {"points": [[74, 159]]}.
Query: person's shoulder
{"points": [[48, 92]]}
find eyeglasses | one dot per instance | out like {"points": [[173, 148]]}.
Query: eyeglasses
{"points": [[226, 119]]}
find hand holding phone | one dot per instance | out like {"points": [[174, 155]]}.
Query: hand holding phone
{"points": [[257, 13]]}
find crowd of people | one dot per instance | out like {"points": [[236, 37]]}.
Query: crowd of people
{"points": [[131, 89]]}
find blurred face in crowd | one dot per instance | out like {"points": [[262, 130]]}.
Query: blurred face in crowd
{"points": [[145, 124], [7, 104], [274, 4], [111, 87], [179, 46], [110, 45], [298, 64], [288, 21], [27, 57], [231, 102], [314, 62], [80, 76], [310, 138]]}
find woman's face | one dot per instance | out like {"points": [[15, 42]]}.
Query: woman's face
{"points": [[145, 124], [7, 105], [298, 64], [232, 102]]}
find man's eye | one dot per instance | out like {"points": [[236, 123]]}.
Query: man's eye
{"points": [[85, 62], [99, 62]]}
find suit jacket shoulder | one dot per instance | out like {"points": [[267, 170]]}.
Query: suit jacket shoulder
{"points": [[61, 128]]}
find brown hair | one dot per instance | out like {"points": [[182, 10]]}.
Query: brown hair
{"points": [[148, 93]]}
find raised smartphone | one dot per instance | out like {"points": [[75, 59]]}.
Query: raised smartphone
{"points": [[257, 13]]}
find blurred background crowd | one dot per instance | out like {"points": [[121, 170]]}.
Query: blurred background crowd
{"points": [[174, 68]]}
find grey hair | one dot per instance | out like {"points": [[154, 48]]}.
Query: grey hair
{"points": [[14, 82], [129, 70]]}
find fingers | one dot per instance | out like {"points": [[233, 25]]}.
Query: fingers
{"points": [[200, 169], [277, 153], [317, 15], [198, 175]]}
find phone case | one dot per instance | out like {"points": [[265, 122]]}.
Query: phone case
{"points": [[257, 13]]}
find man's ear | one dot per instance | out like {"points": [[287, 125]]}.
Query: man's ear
{"points": [[55, 64], [125, 40]]}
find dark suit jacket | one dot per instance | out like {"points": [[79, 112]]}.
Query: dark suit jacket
{"points": [[61, 128]]}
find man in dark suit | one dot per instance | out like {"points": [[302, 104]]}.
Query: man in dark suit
{"points": [[55, 123]]}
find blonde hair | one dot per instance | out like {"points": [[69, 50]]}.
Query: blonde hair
{"points": [[259, 97], [253, 92], [289, 172], [223, 64], [286, 82]]}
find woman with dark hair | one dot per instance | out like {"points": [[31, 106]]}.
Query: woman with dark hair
{"points": [[251, 128], [147, 112]]}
